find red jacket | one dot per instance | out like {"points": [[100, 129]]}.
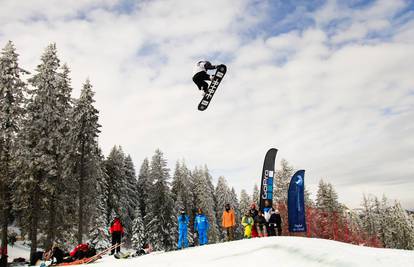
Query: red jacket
{"points": [[80, 247], [116, 226]]}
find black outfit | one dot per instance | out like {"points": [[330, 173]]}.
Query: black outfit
{"points": [[254, 213], [275, 223], [58, 254], [200, 77], [38, 255], [116, 239], [260, 223]]}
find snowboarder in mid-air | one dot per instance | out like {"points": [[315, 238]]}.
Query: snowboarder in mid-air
{"points": [[201, 76]]}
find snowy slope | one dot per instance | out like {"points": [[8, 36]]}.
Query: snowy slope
{"points": [[278, 251]]}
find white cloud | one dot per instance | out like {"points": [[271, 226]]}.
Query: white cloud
{"points": [[341, 113]]}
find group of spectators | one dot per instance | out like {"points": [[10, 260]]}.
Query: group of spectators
{"points": [[256, 223]]}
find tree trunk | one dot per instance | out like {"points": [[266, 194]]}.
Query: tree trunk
{"points": [[34, 214], [51, 228], [80, 193], [5, 208], [4, 222]]}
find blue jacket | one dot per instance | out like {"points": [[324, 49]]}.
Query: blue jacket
{"points": [[183, 221], [201, 222]]}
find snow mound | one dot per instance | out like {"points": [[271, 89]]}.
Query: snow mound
{"points": [[277, 251]]}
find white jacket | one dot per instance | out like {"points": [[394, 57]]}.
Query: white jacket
{"points": [[203, 65]]}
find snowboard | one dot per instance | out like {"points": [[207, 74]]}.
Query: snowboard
{"points": [[215, 82]]}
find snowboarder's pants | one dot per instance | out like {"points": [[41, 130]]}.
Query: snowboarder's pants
{"points": [[182, 238], [202, 237], [116, 239], [229, 233], [199, 78]]}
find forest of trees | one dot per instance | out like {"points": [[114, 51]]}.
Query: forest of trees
{"points": [[58, 187]]}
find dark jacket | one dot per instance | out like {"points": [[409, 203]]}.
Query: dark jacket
{"points": [[259, 220], [275, 220]]}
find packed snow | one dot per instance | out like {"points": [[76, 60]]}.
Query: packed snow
{"points": [[279, 251]]}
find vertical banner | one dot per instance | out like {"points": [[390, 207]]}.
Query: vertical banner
{"points": [[296, 203], [266, 185]]}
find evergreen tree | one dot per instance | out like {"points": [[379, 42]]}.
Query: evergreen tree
{"points": [[245, 202], [203, 198], [114, 167], [234, 202], [41, 150], [281, 182], [181, 187], [138, 230], [256, 195], [129, 198], [11, 113], [223, 197], [83, 156], [143, 187], [98, 235], [160, 215]]}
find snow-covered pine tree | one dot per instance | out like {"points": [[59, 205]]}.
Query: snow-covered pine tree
{"points": [[11, 112], [83, 156], [203, 198], [281, 182], [234, 202], [40, 150], [129, 198], [138, 231], [162, 226], [398, 229], [114, 167], [181, 186], [330, 211], [98, 233], [256, 195], [143, 188], [370, 222], [223, 197], [59, 204], [182, 193], [245, 202]]}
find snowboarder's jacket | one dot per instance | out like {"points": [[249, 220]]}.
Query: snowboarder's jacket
{"points": [[247, 222], [79, 248], [116, 226], [203, 65], [183, 221], [228, 219], [201, 222]]}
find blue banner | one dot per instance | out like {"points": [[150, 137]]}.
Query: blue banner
{"points": [[296, 203]]}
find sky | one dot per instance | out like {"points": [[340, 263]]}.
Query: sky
{"points": [[330, 84]]}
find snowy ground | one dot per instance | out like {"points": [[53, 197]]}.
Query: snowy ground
{"points": [[278, 251]]}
